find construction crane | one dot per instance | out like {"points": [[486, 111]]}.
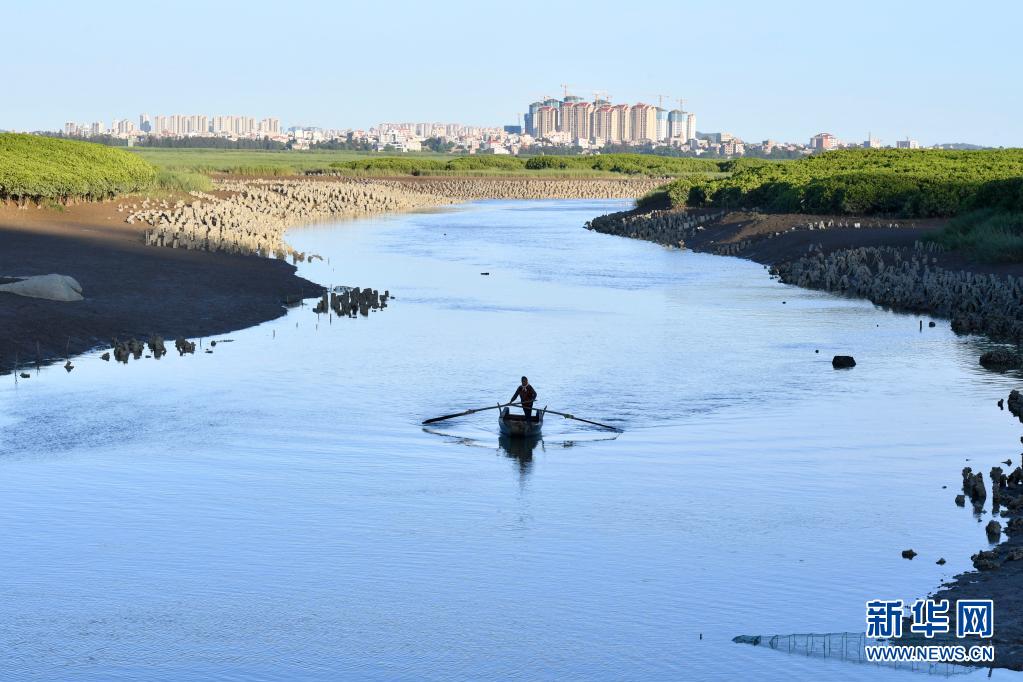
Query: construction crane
{"points": [[564, 87], [681, 104]]}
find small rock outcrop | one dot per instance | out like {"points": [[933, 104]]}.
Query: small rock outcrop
{"points": [[1001, 359], [985, 560]]}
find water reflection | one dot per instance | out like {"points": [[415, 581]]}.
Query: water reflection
{"points": [[520, 449]]}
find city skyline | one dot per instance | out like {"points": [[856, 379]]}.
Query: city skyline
{"points": [[570, 121], [786, 71]]}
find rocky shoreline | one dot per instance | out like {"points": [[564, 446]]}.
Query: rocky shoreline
{"points": [[251, 217], [885, 261], [470, 188], [889, 264]]}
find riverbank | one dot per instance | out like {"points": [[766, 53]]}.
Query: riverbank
{"points": [[224, 262], [999, 569], [131, 290], [887, 261]]}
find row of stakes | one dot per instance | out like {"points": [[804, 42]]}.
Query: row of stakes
{"points": [[352, 301]]}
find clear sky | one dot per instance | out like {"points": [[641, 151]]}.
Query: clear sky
{"points": [[933, 70]]}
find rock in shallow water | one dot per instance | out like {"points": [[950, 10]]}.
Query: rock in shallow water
{"points": [[1001, 358], [843, 362]]}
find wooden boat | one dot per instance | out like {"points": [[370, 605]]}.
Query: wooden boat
{"points": [[517, 426]]}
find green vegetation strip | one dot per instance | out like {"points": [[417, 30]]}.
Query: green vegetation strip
{"points": [[906, 183], [608, 164], [42, 168]]}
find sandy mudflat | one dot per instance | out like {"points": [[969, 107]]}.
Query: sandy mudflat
{"points": [[130, 289]]}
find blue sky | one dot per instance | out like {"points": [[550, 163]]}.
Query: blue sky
{"points": [[936, 71]]}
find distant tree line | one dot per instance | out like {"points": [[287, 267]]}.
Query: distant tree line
{"points": [[348, 144], [264, 143], [628, 164]]}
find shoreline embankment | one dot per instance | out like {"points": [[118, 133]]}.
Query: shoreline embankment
{"points": [[887, 261], [205, 263]]}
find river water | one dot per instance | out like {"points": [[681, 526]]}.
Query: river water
{"points": [[274, 510]]}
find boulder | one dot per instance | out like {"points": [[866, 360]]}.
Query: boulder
{"points": [[985, 561], [51, 287], [1001, 358], [843, 362]]}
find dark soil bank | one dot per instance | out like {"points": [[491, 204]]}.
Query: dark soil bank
{"points": [[130, 290], [999, 574], [883, 260]]}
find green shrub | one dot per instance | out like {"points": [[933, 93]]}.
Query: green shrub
{"points": [[36, 167], [391, 164], [486, 162], [629, 164]]}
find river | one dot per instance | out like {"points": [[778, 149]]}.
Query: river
{"points": [[275, 510]]}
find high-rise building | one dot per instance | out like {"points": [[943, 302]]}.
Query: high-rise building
{"points": [[643, 119], [604, 124], [907, 144], [690, 126], [530, 118], [662, 124], [145, 125], [624, 129], [575, 120], [677, 125], [272, 127], [564, 109], [823, 142], [546, 121]]}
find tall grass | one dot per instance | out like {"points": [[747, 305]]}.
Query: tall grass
{"points": [[183, 181], [987, 235]]}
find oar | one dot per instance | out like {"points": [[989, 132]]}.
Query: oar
{"points": [[580, 419], [463, 414]]}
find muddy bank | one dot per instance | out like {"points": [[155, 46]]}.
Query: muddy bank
{"points": [[999, 569], [883, 260], [130, 290]]}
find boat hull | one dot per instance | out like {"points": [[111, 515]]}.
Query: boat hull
{"points": [[516, 425]]}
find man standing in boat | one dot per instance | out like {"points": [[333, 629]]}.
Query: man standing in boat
{"points": [[526, 395]]}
